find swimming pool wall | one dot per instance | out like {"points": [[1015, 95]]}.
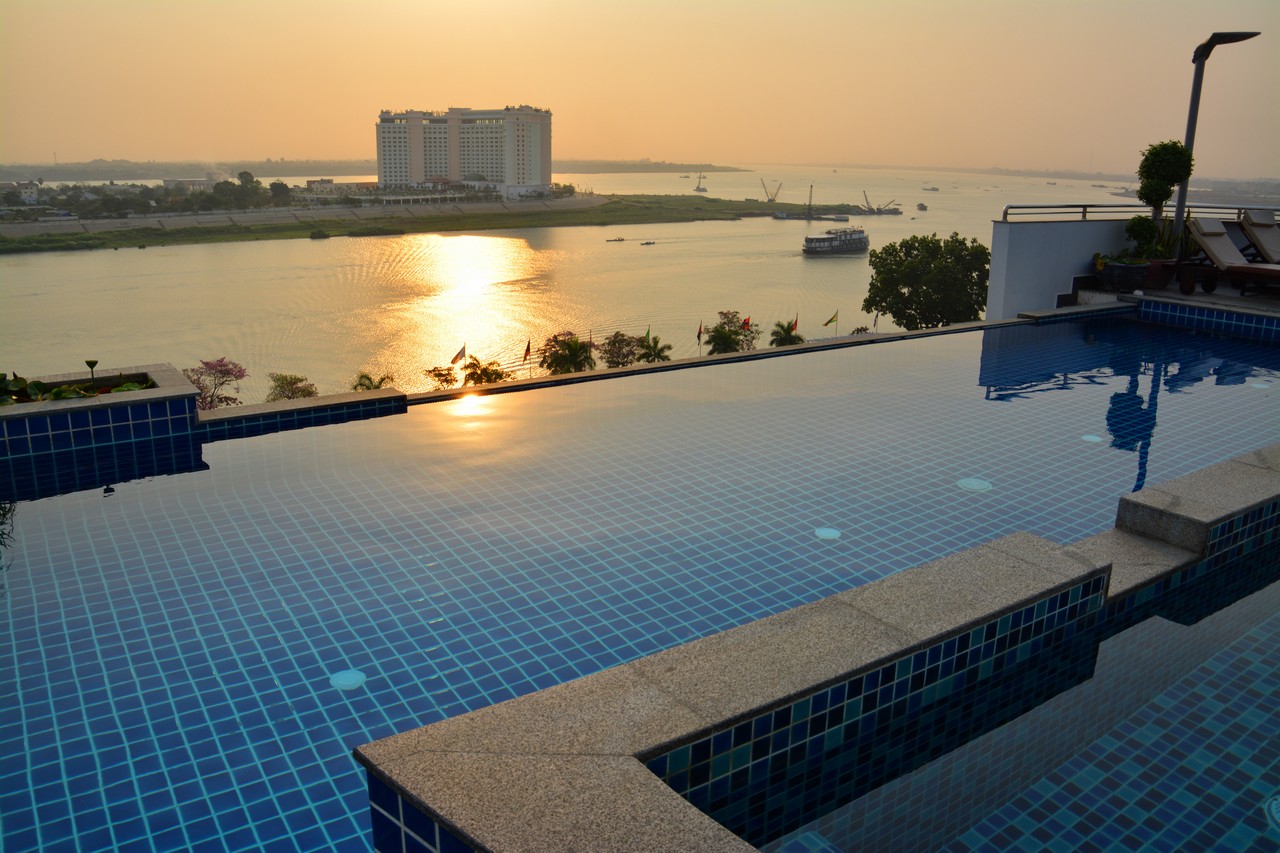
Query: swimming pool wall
{"points": [[586, 764], [61, 446]]}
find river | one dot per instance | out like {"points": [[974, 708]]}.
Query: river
{"points": [[329, 309]]}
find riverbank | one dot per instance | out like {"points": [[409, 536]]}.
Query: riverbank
{"points": [[296, 223]]}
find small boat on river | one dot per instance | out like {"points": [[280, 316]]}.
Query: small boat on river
{"points": [[838, 241]]}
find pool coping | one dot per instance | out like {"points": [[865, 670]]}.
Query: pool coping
{"points": [[565, 767]]}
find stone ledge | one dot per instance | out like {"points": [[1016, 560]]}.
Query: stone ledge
{"points": [[327, 401], [1136, 561], [1182, 512]]}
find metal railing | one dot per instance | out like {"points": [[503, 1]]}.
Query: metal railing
{"points": [[1124, 211]]}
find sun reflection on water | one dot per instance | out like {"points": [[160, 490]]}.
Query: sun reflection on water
{"points": [[484, 291]]}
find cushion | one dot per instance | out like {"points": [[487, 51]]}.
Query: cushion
{"points": [[1260, 217], [1210, 227]]}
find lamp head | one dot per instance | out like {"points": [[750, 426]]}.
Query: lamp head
{"points": [[1203, 50]]}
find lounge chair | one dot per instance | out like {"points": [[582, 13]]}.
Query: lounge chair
{"points": [[1223, 259], [1261, 229]]}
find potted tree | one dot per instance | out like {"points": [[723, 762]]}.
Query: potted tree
{"points": [[1151, 259], [1163, 167]]}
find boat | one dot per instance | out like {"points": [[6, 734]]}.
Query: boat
{"points": [[700, 188], [616, 240], [922, 206], [684, 176], [838, 241], [647, 243]]}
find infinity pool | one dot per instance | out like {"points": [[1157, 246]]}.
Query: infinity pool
{"points": [[175, 655]]}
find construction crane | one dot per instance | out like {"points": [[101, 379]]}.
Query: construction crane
{"points": [[770, 196]]}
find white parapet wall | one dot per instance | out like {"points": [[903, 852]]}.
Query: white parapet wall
{"points": [[1033, 262]]}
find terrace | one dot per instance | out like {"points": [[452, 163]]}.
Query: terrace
{"points": [[597, 618]]}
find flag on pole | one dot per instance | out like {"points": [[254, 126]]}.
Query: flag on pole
{"points": [[746, 324], [462, 353], [834, 318], [699, 333], [527, 349], [795, 324]]}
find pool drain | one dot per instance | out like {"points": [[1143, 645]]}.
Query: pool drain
{"points": [[1091, 437], [827, 533], [974, 484], [348, 679]]}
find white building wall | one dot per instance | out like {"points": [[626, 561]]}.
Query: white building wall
{"points": [[510, 146], [1033, 262]]}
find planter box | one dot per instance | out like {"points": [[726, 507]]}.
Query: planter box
{"points": [[169, 409], [1123, 277]]}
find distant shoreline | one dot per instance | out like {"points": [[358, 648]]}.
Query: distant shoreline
{"points": [[129, 170], [389, 220]]}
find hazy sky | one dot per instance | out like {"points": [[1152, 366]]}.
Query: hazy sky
{"points": [[1067, 84]]}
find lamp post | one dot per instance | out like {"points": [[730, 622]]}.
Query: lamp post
{"points": [[1199, 58]]}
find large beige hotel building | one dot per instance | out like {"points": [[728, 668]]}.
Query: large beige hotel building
{"points": [[509, 147]]}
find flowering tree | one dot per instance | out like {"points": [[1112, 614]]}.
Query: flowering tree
{"points": [[212, 378]]}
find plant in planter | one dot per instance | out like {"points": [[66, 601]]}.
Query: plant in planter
{"points": [[1150, 262], [16, 389], [1119, 272]]}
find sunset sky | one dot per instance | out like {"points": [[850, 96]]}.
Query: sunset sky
{"points": [[1070, 84]]}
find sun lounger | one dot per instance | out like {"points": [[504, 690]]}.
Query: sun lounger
{"points": [[1263, 232], [1223, 258]]}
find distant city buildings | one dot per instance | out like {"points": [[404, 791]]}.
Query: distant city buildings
{"points": [[509, 148], [27, 191]]}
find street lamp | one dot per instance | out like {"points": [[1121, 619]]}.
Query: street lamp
{"points": [[1199, 58]]}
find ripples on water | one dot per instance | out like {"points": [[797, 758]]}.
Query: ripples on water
{"points": [[329, 309]]}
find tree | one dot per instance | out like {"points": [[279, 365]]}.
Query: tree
{"points": [[651, 350], [211, 378], [565, 352], [441, 377], [365, 382], [783, 335], [281, 195], [732, 334], [483, 373], [1164, 165], [250, 192], [289, 386], [619, 349], [924, 282]]}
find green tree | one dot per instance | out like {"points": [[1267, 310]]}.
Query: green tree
{"points": [[924, 282], [732, 334], [565, 352], [619, 349], [249, 193], [650, 349], [441, 377], [365, 382], [1164, 165], [782, 335], [281, 195], [289, 386], [476, 372]]}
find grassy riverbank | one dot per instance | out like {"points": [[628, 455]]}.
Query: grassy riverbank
{"points": [[616, 210]]}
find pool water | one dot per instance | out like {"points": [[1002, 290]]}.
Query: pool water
{"points": [[185, 663]]}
